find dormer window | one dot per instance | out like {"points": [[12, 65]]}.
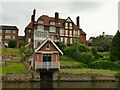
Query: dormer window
{"points": [[52, 22], [48, 46], [40, 21], [40, 27]]}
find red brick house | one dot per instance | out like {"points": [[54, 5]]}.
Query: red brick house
{"points": [[47, 56], [8, 33], [58, 29]]}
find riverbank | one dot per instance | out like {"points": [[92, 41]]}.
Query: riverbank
{"points": [[35, 77]]}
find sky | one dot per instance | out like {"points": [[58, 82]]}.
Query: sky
{"points": [[96, 16]]}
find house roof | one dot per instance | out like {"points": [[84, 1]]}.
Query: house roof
{"points": [[4, 27], [48, 39], [59, 22]]}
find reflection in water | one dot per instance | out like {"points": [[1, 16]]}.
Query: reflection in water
{"points": [[46, 84]]}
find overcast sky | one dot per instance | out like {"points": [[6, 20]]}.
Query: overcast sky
{"points": [[96, 16]]}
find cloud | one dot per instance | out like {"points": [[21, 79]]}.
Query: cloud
{"points": [[95, 17]]}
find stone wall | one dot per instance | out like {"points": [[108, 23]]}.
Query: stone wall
{"points": [[16, 59], [17, 77], [87, 77], [58, 77]]}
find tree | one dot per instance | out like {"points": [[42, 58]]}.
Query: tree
{"points": [[115, 48], [101, 42], [12, 43]]}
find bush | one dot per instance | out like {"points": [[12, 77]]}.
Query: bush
{"points": [[12, 43], [103, 64], [117, 75], [83, 48], [69, 51], [84, 57], [21, 44]]}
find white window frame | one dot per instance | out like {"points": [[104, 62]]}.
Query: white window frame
{"points": [[66, 32], [66, 25], [7, 31], [48, 44], [61, 39], [65, 40], [14, 31], [40, 27], [70, 33], [52, 22], [52, 29], [40, 21], [70, 26], [1, 31], [13, 37], [7, 37], [71, 40]]}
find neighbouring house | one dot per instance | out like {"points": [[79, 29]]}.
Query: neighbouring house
{"points": [[21, 39], [8, 33], [46, 56], [56, 28]]}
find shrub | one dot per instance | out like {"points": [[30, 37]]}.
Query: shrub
{"points": [[83, 48], [84, 57], [117, 75], [103, 64], [21, 44], [12, 43]]}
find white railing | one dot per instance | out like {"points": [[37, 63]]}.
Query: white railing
{"points": [[47, 65]]}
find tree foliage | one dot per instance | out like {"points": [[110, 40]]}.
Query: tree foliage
{"points": [[101, 42], [115, 48], [12, 44]]}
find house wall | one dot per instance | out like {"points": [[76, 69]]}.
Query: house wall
{"points": [[11, 34], [52, 48]]}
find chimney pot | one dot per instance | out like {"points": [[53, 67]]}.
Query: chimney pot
{"points": [[56, 15], [77, 21]]}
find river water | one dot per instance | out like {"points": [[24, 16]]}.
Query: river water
{"points": [[73, 85]]}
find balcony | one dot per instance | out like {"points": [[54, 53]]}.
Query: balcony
{"points": [[47, 65], [41, 34]]}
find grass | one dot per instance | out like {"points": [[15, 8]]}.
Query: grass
{"points": [[81, 71], [11, 52], [71, 64], [13, 68]]}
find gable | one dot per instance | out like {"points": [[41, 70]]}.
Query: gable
{"points": [[68, 19], [53, 46], [44, 47]]}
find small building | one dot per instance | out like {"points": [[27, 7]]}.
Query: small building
{"points": [[47, 56], [8, 33]]}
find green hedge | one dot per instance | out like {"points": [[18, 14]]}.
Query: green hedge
{"points": [[104, 64]]}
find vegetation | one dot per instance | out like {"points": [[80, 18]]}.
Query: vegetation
{"points": [[115, 48], [117, 75], [81, 71], [25, 51], [11, 52], [12, 43], [13, 68], [101, 42]]}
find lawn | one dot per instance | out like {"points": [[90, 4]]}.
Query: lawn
{"points": [[13, 68], [71, 64], [81, 71], [11, 52]]}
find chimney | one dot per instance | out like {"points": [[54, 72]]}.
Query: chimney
{"points": [[77, 21], [56, 15]]}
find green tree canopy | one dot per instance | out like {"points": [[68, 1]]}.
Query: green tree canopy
{"points": [[115, 48]]}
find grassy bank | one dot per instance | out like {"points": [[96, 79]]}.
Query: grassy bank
{"points": [[81, 71], [13, 68], [11, 52]]}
